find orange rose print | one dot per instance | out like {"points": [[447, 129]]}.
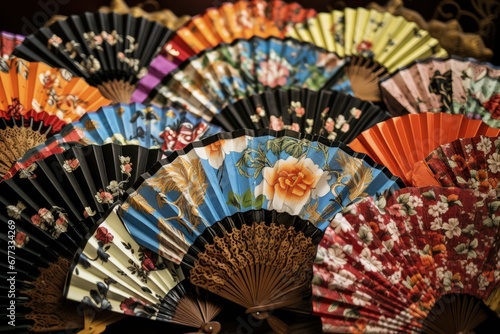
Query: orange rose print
{"points": [[290, 183]]}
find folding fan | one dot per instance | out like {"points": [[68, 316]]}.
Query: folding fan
{"points": [[36, 90], [169, 128], [8, 41], [331, 114], [399, 142], [469, 163], [384, 262], [453, 85], [212, 79], [230, 21], [109, 50], [23, 141], [240, 209], [378, 43], [52, 206]]}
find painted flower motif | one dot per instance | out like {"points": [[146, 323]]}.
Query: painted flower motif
{"points": [[294, 127], [494, 162], [437, 224], [71, 164], [129, 305], [452, 228], [297, 108], [114, 188], [104, 197], [290, 183], [365, 234], [273, 73], [88, 212], [16, 109], [276, 123], [340, 223], [369, 262], [360, 298], [94, 41], [60, 226], [125, 165], [484, 145], [103, 235], [493, 106], [345, 127], [438, 209], [216, 152], [260, 111], [364, 46], [54, 41], [356, 113], [21, 239], [335, 258]]}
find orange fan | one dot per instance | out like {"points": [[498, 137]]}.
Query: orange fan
{"points": [[30, 88], [231, 21], [400, 142], [468, 163]]}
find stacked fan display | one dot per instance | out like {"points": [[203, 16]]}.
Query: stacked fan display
{"points": [[260, 167]]}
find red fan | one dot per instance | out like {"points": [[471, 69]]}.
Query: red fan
{"points": [[384, 263], [399, 142], [8, 41], [471, 163]]}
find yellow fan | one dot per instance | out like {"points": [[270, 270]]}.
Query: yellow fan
{"points": [[378, 43]]}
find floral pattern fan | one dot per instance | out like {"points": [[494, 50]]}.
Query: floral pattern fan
{"points": [[415, 260], [249, 207], [331, 114], [54, 203], [469, 163], [377, 44], [400, 142], [212, 79], [169, 128], [110, 51], [453, 85]]}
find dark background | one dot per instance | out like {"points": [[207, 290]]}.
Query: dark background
{"points": [[25, 16]]}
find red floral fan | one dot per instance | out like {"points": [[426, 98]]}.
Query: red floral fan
{"points": [[470, 163], [399, 142], [384, 263], [454, 85], [109, 50], [331, 114]]}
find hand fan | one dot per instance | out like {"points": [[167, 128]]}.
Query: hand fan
{"points": [[8, 41], [399, 142], [52, 206], [469, 163], [34, 89], [212, 79], [231, 21], [378, 43], [109, 50], [385, 262], [246, 207], [331, 114], [453, 85], [18, 140], [169, 128]]}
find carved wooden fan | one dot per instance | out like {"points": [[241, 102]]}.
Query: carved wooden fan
{"points": [[376, 43], [209, 81], [169, 128], [51, 206], [469, 163], [243, 211], [399, 142], [109, 50], [331, 114], [453, 85], [386, 264]]}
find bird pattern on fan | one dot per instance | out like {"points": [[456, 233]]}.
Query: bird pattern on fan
{"points": [[385, 261], [212, 79], [376, 44], [454, 85], [469, 163], [34, 89], [400, 142], [169, 128], [110, 51], [236, 184], [331, 114]]}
